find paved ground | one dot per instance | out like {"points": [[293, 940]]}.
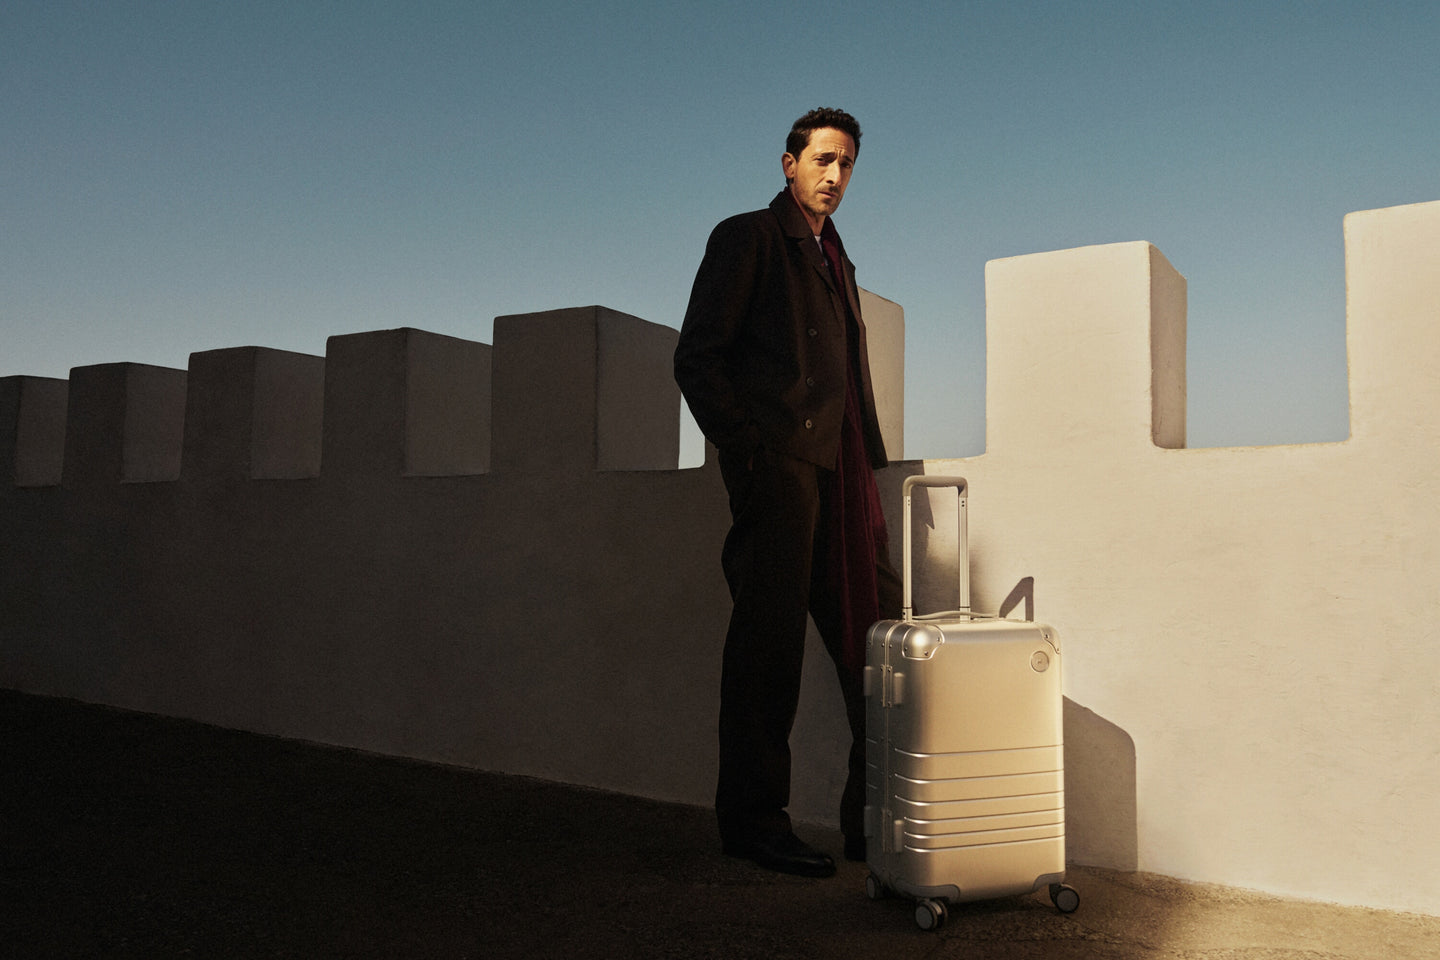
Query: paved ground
{"points": [[126, 835]]}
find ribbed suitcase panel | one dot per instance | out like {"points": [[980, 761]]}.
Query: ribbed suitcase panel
{"points": [[1047, 804], [977, 788], [977, 763], [945, 841], [995, 823]]}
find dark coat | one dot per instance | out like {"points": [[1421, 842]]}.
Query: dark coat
{"points": [[762, 352]]}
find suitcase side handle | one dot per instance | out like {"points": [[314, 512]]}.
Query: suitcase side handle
{"points": [[962, 488]]}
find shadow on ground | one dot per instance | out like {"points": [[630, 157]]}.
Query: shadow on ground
{"points": [[128, 835]]}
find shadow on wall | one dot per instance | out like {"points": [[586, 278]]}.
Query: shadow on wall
{"points": [[1101, 827]]}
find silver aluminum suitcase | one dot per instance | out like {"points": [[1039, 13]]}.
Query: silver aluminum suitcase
{"points": [[965, 782]]}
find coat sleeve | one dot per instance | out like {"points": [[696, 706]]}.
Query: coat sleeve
{"points": [[721, 304]]}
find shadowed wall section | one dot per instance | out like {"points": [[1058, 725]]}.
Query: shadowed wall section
{"points": [[416, 544]]}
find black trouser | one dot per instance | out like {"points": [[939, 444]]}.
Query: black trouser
{"points": [[769, 561]]}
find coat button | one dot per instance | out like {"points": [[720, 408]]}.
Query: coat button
{"points": [[813, 332], [809, 425], [809, 381]]}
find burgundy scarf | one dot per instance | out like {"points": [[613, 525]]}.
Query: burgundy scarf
{"points": [[850, 502]]}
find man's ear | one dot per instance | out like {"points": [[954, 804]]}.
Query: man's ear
{"points": [[788, 163]]}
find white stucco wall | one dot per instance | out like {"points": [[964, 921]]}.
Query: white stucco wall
{"points": [[1260, 621]]}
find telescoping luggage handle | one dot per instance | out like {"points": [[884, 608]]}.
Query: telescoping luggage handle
{"points": [[907, 575]]}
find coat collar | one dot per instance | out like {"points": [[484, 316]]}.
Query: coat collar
{"points": [[792, 222], [792, 218]]}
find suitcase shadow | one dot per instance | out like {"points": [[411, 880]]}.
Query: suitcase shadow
{"points": [[1101, 827]]}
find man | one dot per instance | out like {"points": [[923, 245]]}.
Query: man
{"points": [[772, 362]]}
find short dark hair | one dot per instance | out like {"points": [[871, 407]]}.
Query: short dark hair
{"points": [[819, 119]]}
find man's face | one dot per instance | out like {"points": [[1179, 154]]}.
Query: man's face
{"points": [[820, 174]]}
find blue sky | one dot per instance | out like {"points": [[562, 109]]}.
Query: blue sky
{"points": [[178, 177]]}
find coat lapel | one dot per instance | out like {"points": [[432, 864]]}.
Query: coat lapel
{"points": [[792, 221]]}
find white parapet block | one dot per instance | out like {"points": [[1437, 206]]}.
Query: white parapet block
{"points": [[1392, 283], [1085, 348]]}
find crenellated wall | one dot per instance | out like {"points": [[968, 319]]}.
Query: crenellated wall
{"points": [[416, 544], [483, 555]]}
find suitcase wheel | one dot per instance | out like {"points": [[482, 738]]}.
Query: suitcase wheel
{"points": [[1066, 898], [930, 914], [874, 889]]}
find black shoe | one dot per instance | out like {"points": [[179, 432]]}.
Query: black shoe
{"points": [[855, 849], [786, 853]]}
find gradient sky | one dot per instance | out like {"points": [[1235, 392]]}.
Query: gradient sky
{"points": [[179, 176]]}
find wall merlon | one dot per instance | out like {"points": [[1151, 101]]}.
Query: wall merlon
{"points": [[32, 430], [885, 343], [1085, 345], [637, 403], [1392, 274], [253, 413], [1169, 304], [125, 423], [10, 390], [405, 402], [289, 411], [447, 408], [583, 389]]}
